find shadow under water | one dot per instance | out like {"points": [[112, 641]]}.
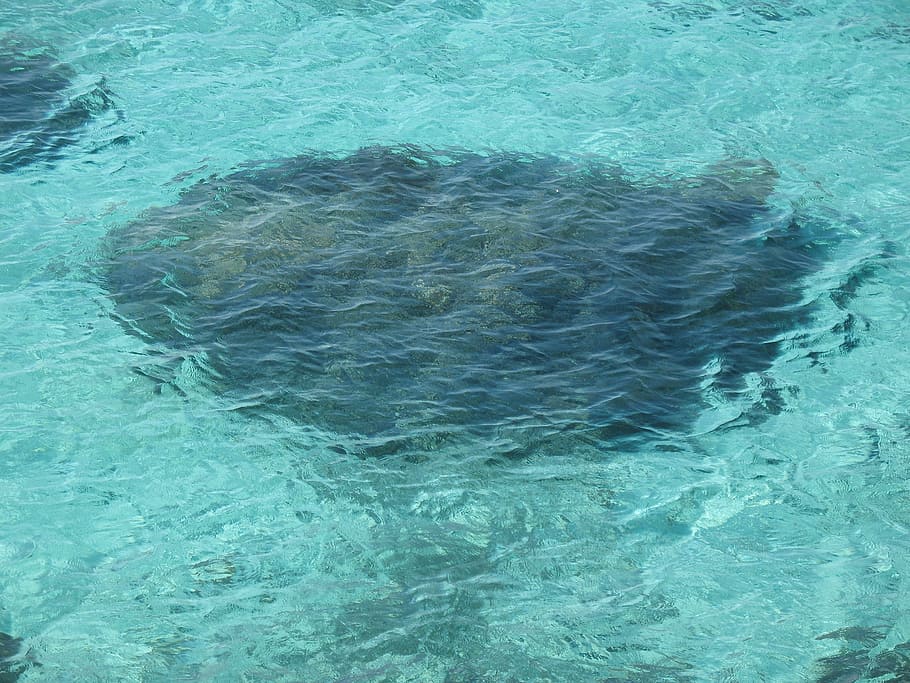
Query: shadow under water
{"points": [[408, 297], [38, 117]]}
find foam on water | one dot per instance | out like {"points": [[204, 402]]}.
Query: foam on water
{"points": [[149, 532]]}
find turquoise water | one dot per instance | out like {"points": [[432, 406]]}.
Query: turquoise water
{"points": [[148, 532]]}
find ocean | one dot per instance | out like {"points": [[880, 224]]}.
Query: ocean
{"points": [[160, 522]]}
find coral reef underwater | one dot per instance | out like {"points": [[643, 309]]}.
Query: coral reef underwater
{"points": [[410, 296]]}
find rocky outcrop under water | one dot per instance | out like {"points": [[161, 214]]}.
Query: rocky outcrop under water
{"points": [[10, 668], [41, 115], [409, 297]]}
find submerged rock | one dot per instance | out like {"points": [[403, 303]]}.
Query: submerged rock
{"points": [[408, 297], [10, 669], [38, 117], [863, 658]]}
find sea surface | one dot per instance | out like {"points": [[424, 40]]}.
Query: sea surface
{"points": [[150, 530]]}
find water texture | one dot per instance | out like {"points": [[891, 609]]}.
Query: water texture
{"points": [[179, 501]]}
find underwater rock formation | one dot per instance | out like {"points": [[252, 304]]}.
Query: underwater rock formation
{"points": [[10, 669], [38, 118], [862, 657], [409, 297]]}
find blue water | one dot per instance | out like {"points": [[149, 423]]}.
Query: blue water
{"points": [[150, 532]]}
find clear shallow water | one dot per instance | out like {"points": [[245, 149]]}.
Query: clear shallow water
{"points": [[150, 533]]}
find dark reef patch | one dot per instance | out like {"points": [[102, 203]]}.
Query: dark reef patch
{"points": [[40, 116], [407, 297], [10, 668], [863, 658]]}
